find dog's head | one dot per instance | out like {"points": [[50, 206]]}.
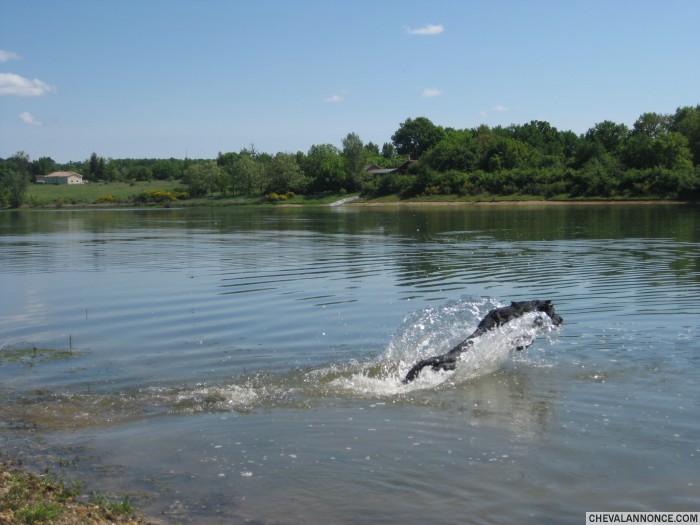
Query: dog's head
{"points": [[548, 308]]}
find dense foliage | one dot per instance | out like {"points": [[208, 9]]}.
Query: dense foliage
{"points": [[659, 157]]}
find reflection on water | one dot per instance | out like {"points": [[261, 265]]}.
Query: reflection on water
{"points": [[235, 364]]}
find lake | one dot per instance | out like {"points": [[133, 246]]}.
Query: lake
{"points": [[244, 364]]}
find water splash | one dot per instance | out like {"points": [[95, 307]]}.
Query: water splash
{"points": [[436, 330]]}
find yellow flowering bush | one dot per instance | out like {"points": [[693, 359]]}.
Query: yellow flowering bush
{"points": [[161, 196]]}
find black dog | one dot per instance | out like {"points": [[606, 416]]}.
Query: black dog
{"points": [[492, 320]]}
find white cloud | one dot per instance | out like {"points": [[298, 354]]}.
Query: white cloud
{"points": [[498, 108], [431, 92], [430, 29], [6, 56], [30, 119], [337, 97], [17, 86]]}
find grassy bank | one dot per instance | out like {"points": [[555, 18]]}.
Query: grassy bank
{"points": [[170, 193], [109, 193], [27, 498], [145, 193]]}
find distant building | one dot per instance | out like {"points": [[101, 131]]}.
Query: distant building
{"points": [[60, 177]]}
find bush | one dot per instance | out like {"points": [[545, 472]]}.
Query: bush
{"points": [[392, 184], [668, 183], [157, 196], [106, 198], [13, 187]]}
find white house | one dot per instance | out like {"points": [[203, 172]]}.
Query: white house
{"points": [[60, 177]]}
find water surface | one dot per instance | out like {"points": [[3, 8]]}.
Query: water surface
{"points": [[244, 364]]}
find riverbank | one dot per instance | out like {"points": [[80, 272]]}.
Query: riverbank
{"points": [[173, 194], [515, 202], [26, 497]]}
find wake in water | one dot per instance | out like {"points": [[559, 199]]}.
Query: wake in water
{"points": [[425, 333]]}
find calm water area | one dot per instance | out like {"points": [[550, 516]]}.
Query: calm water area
{"points": [[244, 365]]}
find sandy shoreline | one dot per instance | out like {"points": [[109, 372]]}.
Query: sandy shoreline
{"points": [[361, 202], [523, 203]]}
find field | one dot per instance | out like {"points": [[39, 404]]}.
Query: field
{"points": [[127, 194], [88, 194]]}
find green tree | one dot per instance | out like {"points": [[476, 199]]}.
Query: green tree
{"points": [[42, 166], [388, 151], [202, 178], [484, 138], [112, 172], [138, 172], [324, 165], [609, 135], [638, 152], [671, 151], [507, 154], [166, 170], [354, 156], [651, 125], [227, 162], [372, 150], [14, 179], [249, 172], [286, 175], [244, 172], [540, 135], [96, 168], [600, 176], [686, 121], [651, 147], [416, 136], [456, 151]]}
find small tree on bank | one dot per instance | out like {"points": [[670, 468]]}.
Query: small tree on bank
{"points": [[14, 179]]}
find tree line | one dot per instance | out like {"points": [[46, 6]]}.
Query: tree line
{"points": [[658, 157]]}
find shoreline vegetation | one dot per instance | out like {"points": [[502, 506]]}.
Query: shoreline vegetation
{"points": [[658, 158], [28, 498], [169, 194]]}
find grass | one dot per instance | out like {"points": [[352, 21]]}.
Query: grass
{"points": [[32, 356], [113, 193], [27, 498], [136, 193], [129, 194]]}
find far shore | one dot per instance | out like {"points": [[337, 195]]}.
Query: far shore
{"points": [[170, 194], [534, 202], [360, 202]]}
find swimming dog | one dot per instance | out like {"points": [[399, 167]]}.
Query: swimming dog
{"points": [[493, 319]]}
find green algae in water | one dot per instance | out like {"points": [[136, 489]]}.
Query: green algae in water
{"points": [[34, 355]]}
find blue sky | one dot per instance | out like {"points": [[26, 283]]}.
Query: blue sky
{"points": [[169, 78]]}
